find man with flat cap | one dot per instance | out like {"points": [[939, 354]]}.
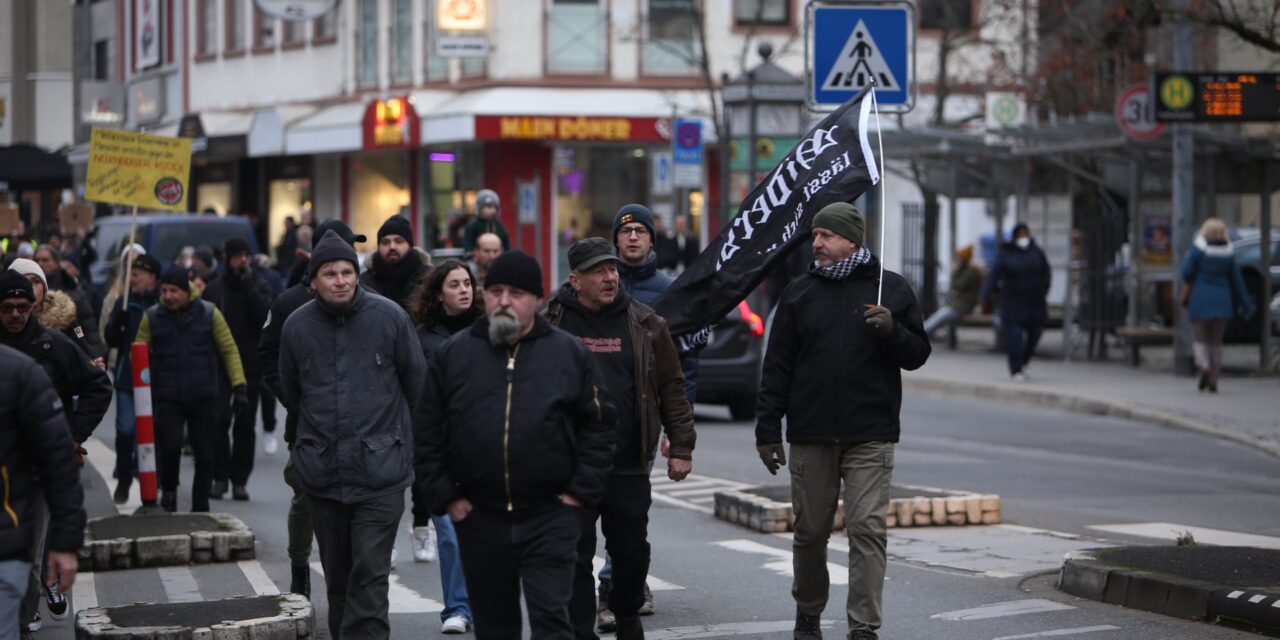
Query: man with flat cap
{"points": [[833, 369], [516, 436]]}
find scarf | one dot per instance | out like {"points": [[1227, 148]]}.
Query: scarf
{"points": [[843, 269]]}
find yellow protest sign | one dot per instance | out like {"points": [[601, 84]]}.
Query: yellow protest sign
{"points": [[126, 167]]}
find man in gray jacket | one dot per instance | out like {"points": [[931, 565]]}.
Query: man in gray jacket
{"points": [[347, 359]]}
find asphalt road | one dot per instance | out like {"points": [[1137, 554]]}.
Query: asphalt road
{"points": [[1066, 482]]}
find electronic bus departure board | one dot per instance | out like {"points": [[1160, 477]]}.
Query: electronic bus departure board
{"points": [[1221, 96]]}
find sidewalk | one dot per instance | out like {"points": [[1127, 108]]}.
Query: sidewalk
{"points": [[1246, 410]]}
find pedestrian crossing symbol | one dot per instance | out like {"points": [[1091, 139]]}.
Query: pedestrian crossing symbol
{"points": [[855, 46], [860, 64]]}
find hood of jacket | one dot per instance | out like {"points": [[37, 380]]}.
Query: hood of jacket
{"points": [[1215, 250], [58, 312]]}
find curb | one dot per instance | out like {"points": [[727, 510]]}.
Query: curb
{"points": [[231, 541], [955, 508], [295, 620], [1085, 576], [1081, 404]]}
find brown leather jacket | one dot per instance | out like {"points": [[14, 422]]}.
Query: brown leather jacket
{"points": [[662, 402]]}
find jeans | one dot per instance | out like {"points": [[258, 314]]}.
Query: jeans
{"points": [[13, 587], [355, 551], [1021, 339], [454, 584], [199, 417], [299, 523], [531, 551], [234, 438], [817, 471], [126, 432], [624, 519], [943, 317]]}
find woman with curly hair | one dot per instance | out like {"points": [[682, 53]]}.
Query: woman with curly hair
{"points": [[444, 304]]}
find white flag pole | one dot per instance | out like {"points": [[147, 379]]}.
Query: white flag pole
{"points": [[875, 104]]}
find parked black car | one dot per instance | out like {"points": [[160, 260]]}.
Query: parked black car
{"points": [[1248, 254], [729, 366]]}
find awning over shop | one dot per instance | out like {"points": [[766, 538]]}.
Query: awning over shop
{"points": [[27, 167], [266, 135], [333, 129]]}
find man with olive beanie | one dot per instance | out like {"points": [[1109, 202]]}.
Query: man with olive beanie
{"points": [[833, 369]]}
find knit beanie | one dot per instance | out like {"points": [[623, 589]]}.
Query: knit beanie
{"points": [[396, 225], [487, 197], [842, 218], [330, 248], [205, 254], [148, 264], [634, 213], [235, 247], [26, 267], [179, 277], [16, 285], [516, 269]]}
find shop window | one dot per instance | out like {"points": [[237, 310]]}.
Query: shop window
{"points": [[670, 43], [436, 68], [945, 14], [367, 71], [591, 184], [402, 35], [233, 22], [206, 28], [214, 196], [325, 28], [264, 31], [576, 37], [762, 13], [289, 198], [293, 33], [381, 190]]}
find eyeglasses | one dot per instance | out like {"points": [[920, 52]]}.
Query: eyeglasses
{"points": [[638, 231], [9, 309]]}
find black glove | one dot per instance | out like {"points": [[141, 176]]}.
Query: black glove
{"points": [[880, 320], [239, 397], [773, 456]]}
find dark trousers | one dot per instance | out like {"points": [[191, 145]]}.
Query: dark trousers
{"points": [[421, 509], [355, 551], [299, 522], [1021, 339], [268, 401], [233, 442], [505, 553], [624, 519], [199, 417]]}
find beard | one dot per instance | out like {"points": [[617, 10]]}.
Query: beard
{"points": [[504, 328]]}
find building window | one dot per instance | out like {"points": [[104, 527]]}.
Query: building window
{"points": [[207, 28], [402, 35], [234, 23], [102, 60], [945, 14], [670, 44], [367, 69], [326, 27], [264, 31], [294, 33], [576, 37], [436, 68], [762, 13]]}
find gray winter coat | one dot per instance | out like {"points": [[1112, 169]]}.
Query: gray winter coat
{"points": [[354, 378]]}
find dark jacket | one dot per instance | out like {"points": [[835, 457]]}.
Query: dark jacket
{"points": [[85, 390], [244, 302], [395, 282], [1218, 291], [659, 382], [121, 329], [34, 437], [62, 281], [269, 348], [827, 371], [646, 284], [671, 255], [513, 428], [479, 226], [351, 377], [1022, 278], [185, 349]]}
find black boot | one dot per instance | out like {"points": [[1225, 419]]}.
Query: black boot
{"points": [[605, 621], [122, 491], [630, 629], [219, 489], [169, 501], [301, 581], [808, 627], [239, 492]]}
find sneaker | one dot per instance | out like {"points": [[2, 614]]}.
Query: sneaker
{"points": [[630, 629], [239, 492], [218, 490], [1019, 377], [647, 608], [57, 603], [300, 580], [36, 623], [122, 492], [863, 634], [605, 620], [270, 445], [455, 625], [808, 627], [424, 544]]}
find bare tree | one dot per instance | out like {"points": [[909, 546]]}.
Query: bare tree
{"points": [[1256, 22]]}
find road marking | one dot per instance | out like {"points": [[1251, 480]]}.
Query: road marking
{"points": [[780, 559], [400, 597], [727, 629], [1203, 535], [84, 593], [179, 584], [1002, 610], [685, 504], [258, 578], [102, 458], [1061, 632], [655, 584]]}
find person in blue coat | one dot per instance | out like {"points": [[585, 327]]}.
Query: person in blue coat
{"points": [[1217, 294], [1021, 277]]}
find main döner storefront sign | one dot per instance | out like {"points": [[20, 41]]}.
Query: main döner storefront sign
{"points": [[572, 128]]}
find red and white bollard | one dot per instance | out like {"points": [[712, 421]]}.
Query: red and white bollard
{"points": [[146, 431]]}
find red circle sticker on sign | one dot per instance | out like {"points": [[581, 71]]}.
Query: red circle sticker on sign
{"points": [[1134, 114], [169, 191]]}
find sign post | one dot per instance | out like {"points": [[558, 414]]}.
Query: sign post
{"points": [[850, 46]]}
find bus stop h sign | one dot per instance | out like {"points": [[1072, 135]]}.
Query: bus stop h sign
{"points": [[852, 45]]}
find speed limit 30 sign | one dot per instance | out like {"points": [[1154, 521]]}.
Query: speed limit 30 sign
{"points": [[1135, 115]]}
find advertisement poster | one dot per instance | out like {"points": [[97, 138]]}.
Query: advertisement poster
{"points": [[1157, 243], [146, 32], [138, 169]]}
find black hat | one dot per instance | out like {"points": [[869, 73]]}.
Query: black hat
{"points": [[331, 248], [179, 277], [396, 225], [588, 252], [634, 213], [516, 269], [71, 256], [235, 247], [205, 254], [148, 264], [339, 227], [16, 285]]}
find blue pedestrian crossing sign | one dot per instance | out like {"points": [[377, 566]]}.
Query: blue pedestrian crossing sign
{"points": [[853, 45]]}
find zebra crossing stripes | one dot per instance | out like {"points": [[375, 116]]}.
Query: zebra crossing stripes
{"points": [[696, 492]]}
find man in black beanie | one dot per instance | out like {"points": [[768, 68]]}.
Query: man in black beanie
{"points": [[351, 366], [539, 444], [396, 268]]}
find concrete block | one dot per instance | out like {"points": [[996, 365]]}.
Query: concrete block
{"points": [[990, 503], [891, 519], [122, 553], [906, 513], [280, 629], [957, 519], [1082, 579], [923, 505], [991, 517], [1188, 599], [939, 510], [161, 551], [973, 509], [229, 632], [1147, 592], [101, 552], [923, 519], [221, 548], [202, 541], [956, 505]]}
